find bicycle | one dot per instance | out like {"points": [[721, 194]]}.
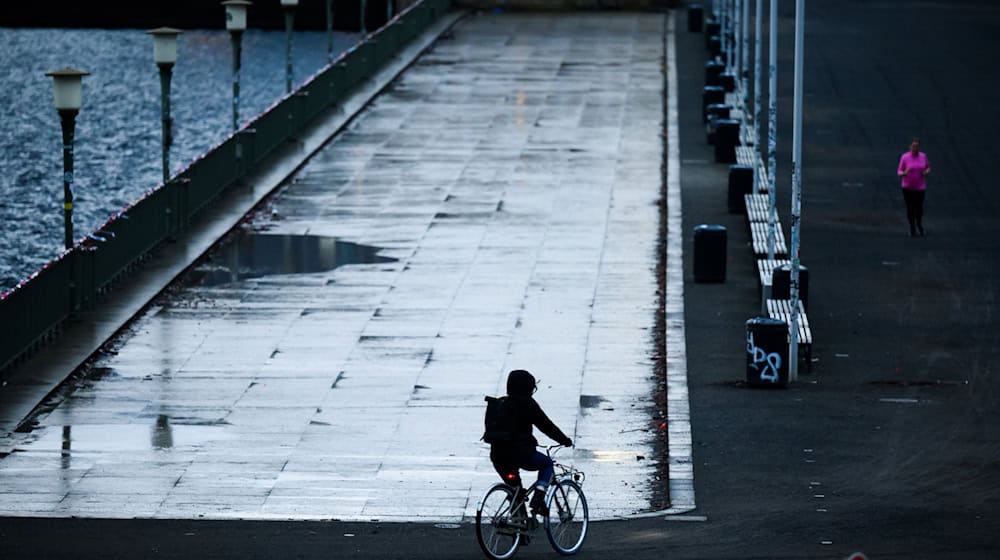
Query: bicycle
{"points": [[503, 521]]}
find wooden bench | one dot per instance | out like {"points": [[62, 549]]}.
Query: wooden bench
{"points": [[758, 234], [744, 155], [781, 309], [765, 272]]}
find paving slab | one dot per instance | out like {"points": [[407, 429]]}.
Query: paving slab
{"points": [[508, 183]]}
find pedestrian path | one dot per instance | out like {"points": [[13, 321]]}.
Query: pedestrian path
{"points": [[495, 208]]}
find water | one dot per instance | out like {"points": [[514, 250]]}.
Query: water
{"points": [[252, 255], [118, 129]]}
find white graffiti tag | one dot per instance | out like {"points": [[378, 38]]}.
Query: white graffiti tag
{"points": [[771, 362]]}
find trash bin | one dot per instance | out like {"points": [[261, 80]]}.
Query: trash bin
{"points": [[727, 137], [710, 95], [715, 45], [781, 284], [712, 28], [709, 253], [740, 183], [695, 15], [713, 70], [716, 112], [728, 81], [767, 352]]}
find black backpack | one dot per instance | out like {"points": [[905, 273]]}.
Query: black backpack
{"points": [[499, 421]]}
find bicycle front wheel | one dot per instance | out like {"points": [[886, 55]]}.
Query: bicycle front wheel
{"points": [[567, 520], [496, 530]]}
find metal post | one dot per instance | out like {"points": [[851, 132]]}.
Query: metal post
{"points": [[237, 39], [726, 28], [289, 24], [364, 8], [166, 135], [756, 95], [67, 118], [772, 127], [329, 29], [388, 11], [793, 350]]}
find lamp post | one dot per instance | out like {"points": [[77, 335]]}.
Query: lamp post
{"points": [[68, 97], [364, 8], [165, 55], [388, 11], [329, 29], [289, 7], [236, 23]]}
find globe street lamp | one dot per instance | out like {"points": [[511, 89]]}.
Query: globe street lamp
{"points": [[68, 97], [289, 6], [165, 55], [236, 23]]}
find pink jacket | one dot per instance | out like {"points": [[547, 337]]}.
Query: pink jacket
{"points": [[914, 166]]}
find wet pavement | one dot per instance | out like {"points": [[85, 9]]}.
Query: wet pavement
{"points": [[495, 208]]}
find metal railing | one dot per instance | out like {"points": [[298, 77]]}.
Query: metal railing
{"points": [[34, 311]]}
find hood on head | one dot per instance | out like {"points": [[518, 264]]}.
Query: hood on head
{"points": [[520, 383]]}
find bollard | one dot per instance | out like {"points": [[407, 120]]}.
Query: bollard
{"points": [[727, 137], [709, 95], [713, 70], [709, 253], [767, 352], [695, 16], [716, 112], [781, 284], [740, 183]]}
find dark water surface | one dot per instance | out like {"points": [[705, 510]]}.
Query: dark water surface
{"points": [[118, 129]]}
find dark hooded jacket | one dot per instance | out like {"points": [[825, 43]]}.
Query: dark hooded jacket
{"points": [[526, 414]]}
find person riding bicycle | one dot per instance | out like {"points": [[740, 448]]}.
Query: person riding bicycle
{"points": [[519, 452]]}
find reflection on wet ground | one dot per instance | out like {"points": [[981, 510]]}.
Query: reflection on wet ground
{"points": [[304, 374], [250, 254]]}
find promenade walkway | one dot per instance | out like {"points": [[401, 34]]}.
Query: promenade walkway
{"points": [[494, 208]]}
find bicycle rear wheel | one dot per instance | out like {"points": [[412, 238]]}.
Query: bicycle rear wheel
{"points": [[496, 531], [568, 518]]}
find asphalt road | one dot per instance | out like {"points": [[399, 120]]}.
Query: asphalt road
{"points": [[890, 446]]}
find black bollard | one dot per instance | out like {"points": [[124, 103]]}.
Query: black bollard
{"points": [[695, 16], [709, 253], [740, 183], [781, 284], [767, 352], [710, 95], [727, 137]]}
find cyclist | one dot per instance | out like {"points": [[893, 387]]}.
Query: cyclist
{"points": [[519, 452]]}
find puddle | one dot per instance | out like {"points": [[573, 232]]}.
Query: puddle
{"points": [[253, 255], [117, 438]]}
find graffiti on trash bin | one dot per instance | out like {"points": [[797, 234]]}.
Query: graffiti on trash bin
{"points": [[771, 362]]}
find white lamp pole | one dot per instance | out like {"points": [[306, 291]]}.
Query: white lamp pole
{"points": [[289, 7], [68, 97], [800, 24], [236, 23], [165, 55]]}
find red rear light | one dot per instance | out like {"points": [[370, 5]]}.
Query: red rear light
{"points": [[511, 476]]}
